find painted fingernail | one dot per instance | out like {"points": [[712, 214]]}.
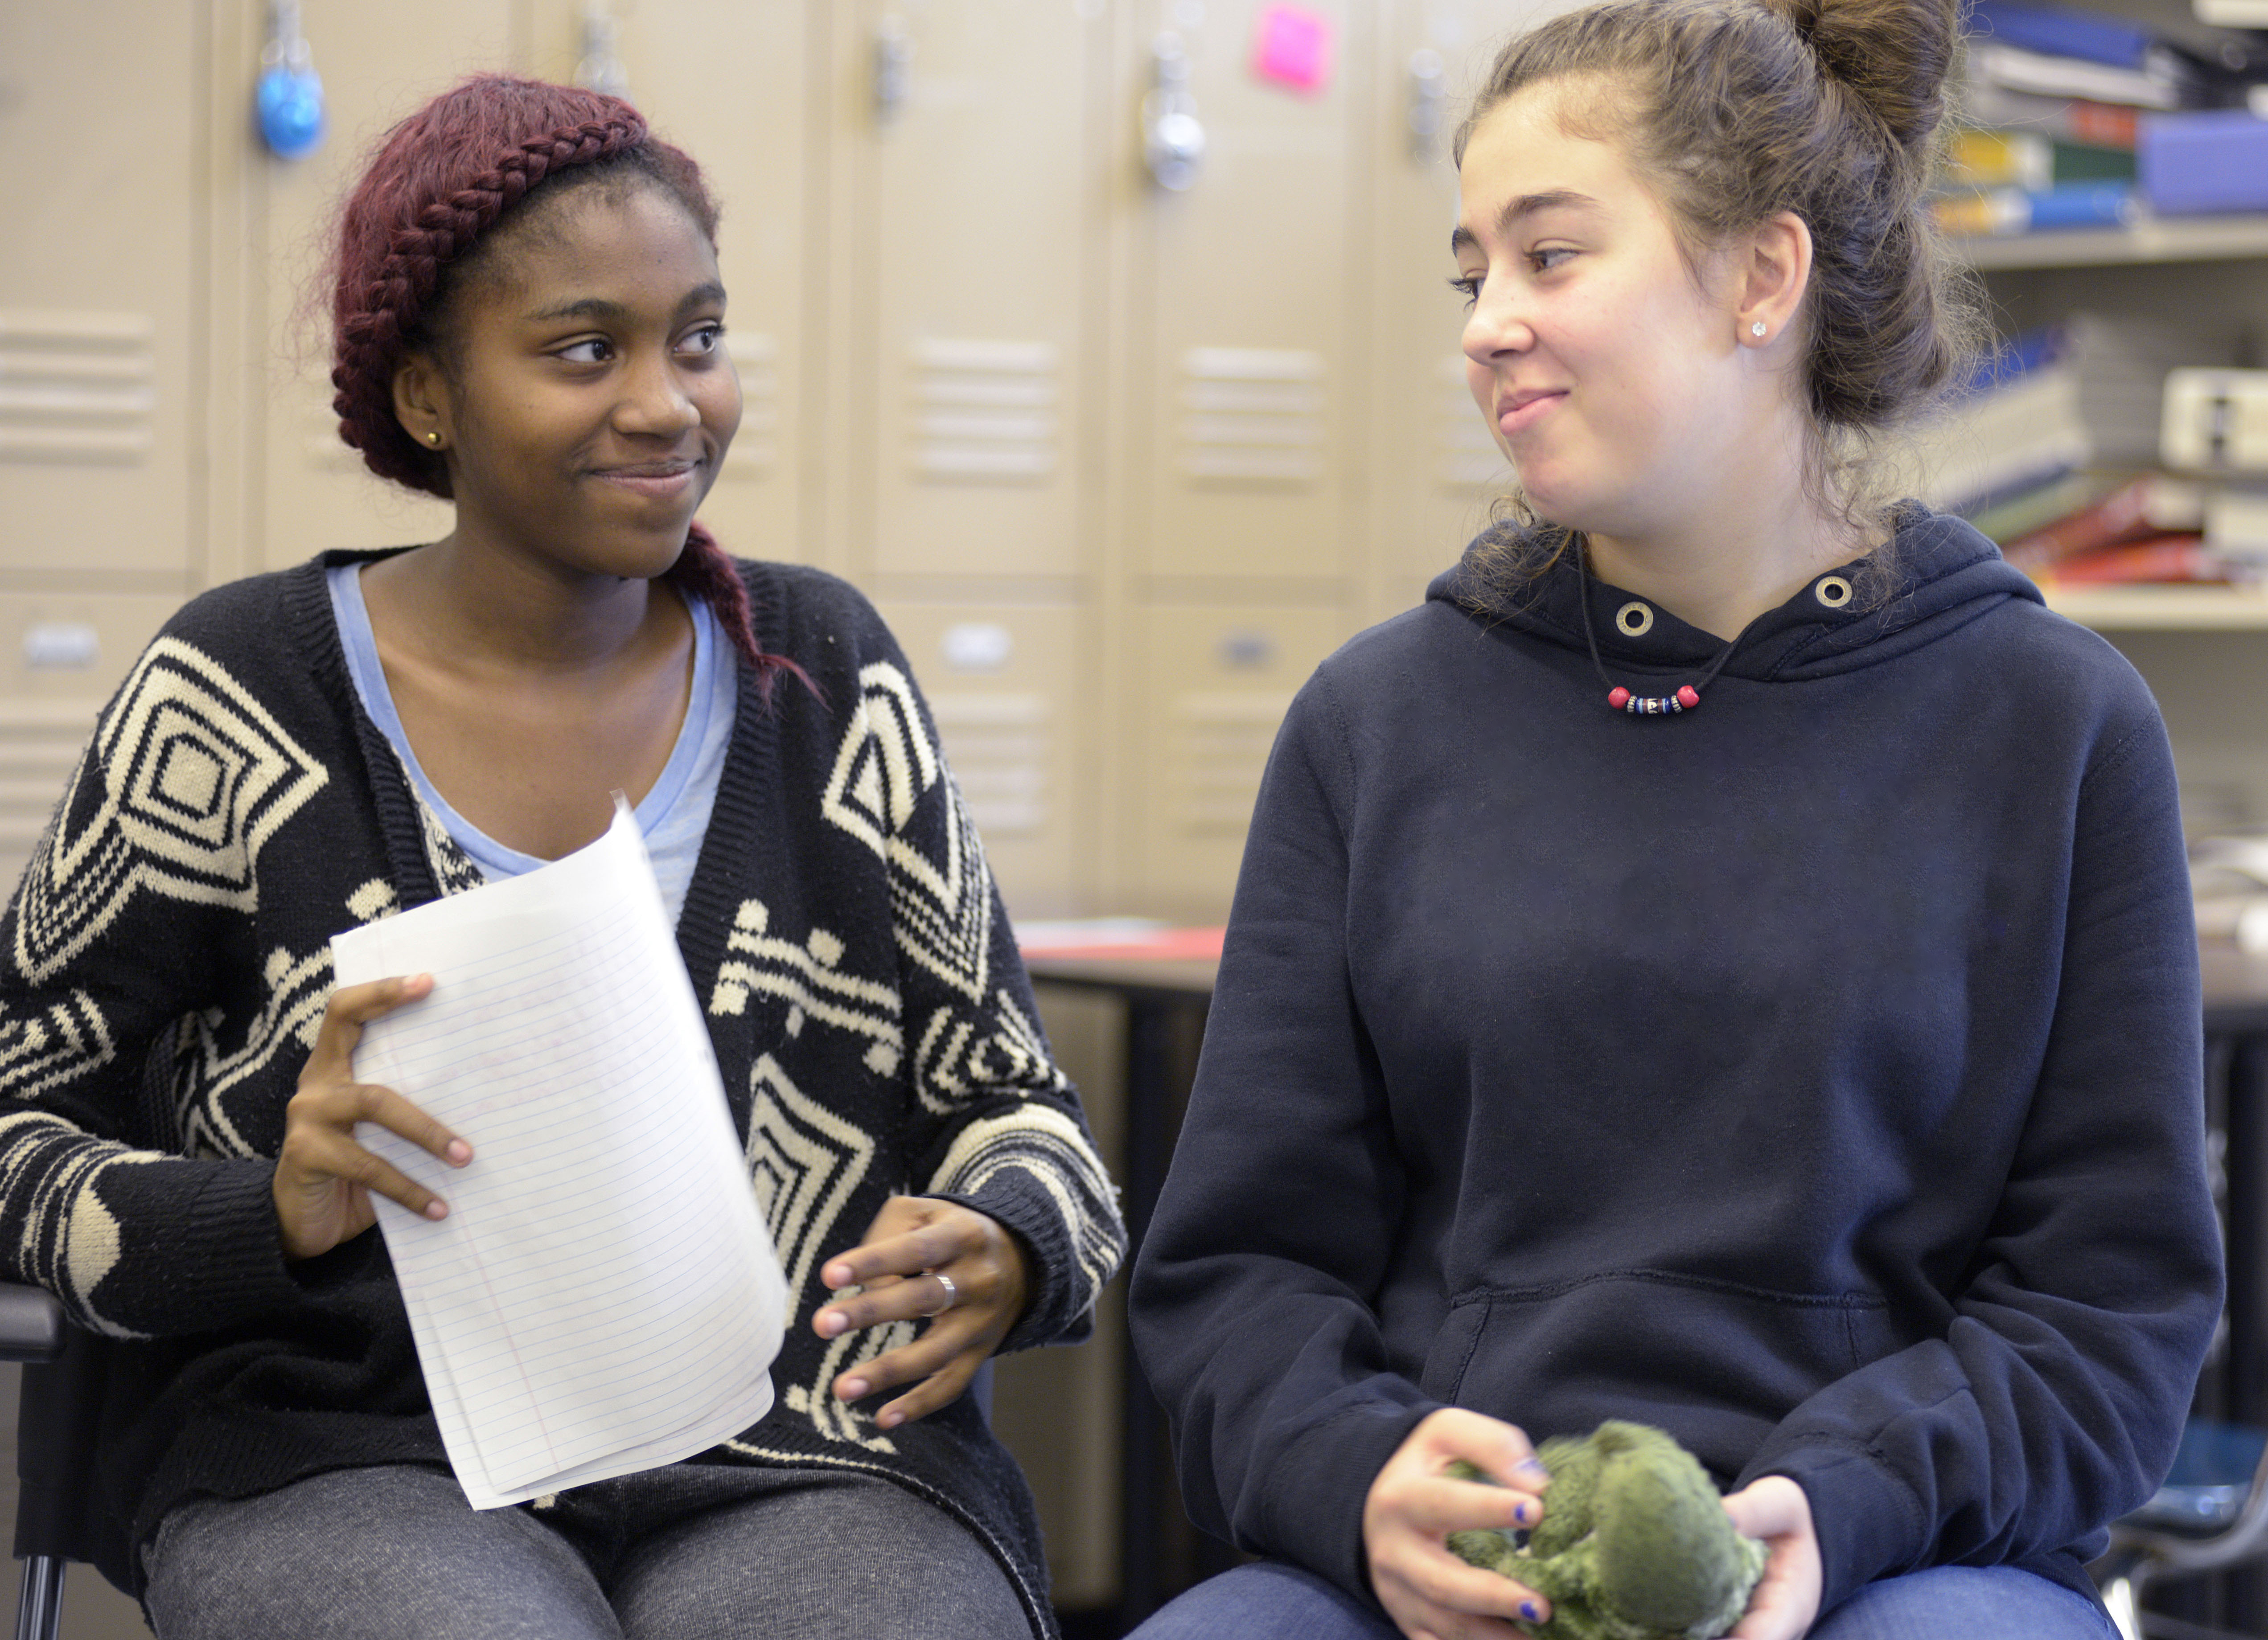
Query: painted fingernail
{"points": [[1529, 1466], [1528, 1611], [1520, 1514]]}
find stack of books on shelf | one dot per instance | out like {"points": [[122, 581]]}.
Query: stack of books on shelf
{"points": [[2149, 529], [2191, 509], [2048, 409], [2074, 119]]}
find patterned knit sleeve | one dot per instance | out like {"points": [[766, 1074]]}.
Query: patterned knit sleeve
{"points": [[122, 925], [1001, 1127]]}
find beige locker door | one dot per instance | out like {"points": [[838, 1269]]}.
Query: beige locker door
{"points": [[377, 63], [726, 83], [1005, 684], [61, 654], [100, 379], [1219, 678], [1247, 286], [1435, 469], [974, 263]]}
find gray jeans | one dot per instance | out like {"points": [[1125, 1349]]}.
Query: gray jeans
{"points": [[689, 1553]]}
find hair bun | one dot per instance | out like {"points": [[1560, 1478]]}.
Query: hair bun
{"points": [[1894, 55]]}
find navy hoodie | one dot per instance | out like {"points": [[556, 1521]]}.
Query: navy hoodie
{"points": [[1815, 1074]]}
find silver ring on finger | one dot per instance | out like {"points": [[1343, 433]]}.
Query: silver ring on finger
{"points": [[951, 1292]]}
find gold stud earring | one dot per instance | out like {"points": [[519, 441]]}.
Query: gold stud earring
{"points": [[434, 437], [1756, 330]]}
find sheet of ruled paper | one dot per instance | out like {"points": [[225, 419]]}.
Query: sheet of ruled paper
{"points": [[603, 1296]]}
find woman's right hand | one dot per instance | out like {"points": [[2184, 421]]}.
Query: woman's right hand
{"points": [[324, 1178], [1415, 1504]]}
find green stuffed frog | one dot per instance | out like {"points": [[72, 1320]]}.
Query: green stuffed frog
{"points": [[1634, 1543]]}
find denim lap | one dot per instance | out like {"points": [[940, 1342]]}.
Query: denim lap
{"points": [[1269, 1600]]}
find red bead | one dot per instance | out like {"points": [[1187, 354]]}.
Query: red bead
{"points": [[1689, 697], [1618, 697]]}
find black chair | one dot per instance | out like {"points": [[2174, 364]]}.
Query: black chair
{"points": [[52, 1498], [2212, 1514]]}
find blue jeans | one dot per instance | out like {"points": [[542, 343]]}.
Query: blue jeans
{"points": [[1269, 1600]]}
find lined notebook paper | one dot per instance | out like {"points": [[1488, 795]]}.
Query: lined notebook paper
{"points": [[603, 1296]]}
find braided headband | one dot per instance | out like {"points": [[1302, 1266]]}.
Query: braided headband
{"points": [[370, 336]]}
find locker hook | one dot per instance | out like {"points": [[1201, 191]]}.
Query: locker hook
{"points": [[600, 67], [1172, 140], [288, 102], [1429, 98], [893, 68]]}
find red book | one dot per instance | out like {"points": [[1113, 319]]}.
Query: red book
{"points": [[2151, 505], [2104, 124], [2182, 557]]}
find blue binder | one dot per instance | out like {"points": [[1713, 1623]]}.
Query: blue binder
{"points": [[2213, 160], [2087, 35]]}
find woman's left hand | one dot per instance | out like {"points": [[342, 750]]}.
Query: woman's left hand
{"points": [[1775, 1510], [923, 1257]]}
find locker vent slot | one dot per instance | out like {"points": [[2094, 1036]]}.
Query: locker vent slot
{"points": [[985, 412], [77, 387], [1221, 742], [1252, 415], [998, 744], [40, 742], [1469, 458], [756, 449]]}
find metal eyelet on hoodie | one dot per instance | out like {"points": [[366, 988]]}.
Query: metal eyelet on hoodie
{"points": [[1634, 619], [1832, 591]]}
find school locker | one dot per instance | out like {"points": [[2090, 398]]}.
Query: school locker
{"points": [[1006, 684], [100, 372], [966, 304], [1219, 678], [1239, 298], [1435, 471], [730, 84], [61, 654], [378, 65]]}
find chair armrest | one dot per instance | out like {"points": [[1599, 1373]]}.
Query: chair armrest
{"points": [[30, 1324]]}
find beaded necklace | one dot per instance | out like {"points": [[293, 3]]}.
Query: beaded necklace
{"points": [[1621, 700]]}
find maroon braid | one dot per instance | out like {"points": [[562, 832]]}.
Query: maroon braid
{"points": [[439, 180], [706, 572], [381, 315]]}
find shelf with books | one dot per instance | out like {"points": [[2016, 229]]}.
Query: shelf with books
{"points": [[2163, 608], [2151, 239]]}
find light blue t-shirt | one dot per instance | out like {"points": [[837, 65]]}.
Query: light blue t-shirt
{"points": [[674, 817]]}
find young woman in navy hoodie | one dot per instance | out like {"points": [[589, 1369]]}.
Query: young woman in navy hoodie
{"points": [[1725, 960]]}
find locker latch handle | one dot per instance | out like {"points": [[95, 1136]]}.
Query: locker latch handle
{"points": [[288, 101], [1172, 140], [893, 68], [1429, 101]]}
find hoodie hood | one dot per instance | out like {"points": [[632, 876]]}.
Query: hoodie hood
{"points": [[1945, 575]]}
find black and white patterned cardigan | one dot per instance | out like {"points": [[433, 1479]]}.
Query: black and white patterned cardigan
{"points": [[164, 962]]}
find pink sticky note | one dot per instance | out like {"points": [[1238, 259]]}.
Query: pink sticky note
{"points": [[1292, 47]]}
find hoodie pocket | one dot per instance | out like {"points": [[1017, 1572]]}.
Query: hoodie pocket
{"points": [[1648, 1345]]}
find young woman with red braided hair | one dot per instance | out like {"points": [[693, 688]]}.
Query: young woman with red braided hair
{"points": [[529, 323], [1725, 962]]}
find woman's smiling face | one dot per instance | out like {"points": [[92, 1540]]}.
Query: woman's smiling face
{"points": [[1607, 372], [585, 396]]}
